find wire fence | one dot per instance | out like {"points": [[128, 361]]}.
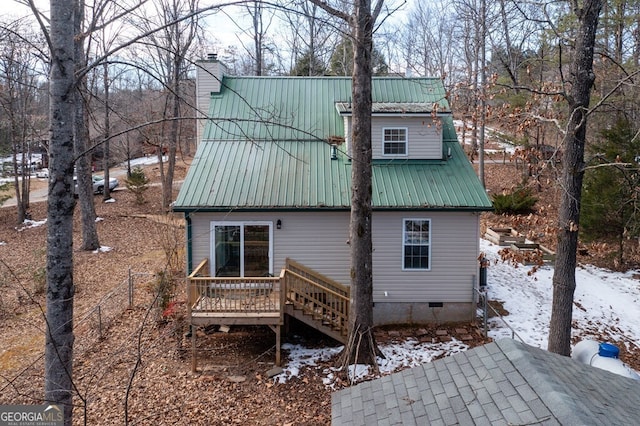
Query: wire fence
{"points": [[89, 328], [92, 326], [490, 311]]}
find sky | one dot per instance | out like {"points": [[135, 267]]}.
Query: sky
{"points": [[219, 27]]}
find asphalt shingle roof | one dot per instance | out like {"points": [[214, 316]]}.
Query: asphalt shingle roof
{"points": [[501, 383]]}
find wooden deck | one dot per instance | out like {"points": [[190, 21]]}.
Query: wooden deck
{"points": [[298, 292]]}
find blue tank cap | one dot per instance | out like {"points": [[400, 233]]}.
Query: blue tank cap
{"points": [[607, 350]]}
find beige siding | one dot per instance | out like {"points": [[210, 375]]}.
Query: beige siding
{"points": [[315, 239], [425, 138], [318, 240], [208, 76], [454, 252]]}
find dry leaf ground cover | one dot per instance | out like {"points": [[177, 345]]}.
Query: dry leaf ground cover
{"points": [[131, 366]]}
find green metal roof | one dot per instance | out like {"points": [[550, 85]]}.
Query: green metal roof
{"points": [[243, 164], [303, 108], [290, 175]]}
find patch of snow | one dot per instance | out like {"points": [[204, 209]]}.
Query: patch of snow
{"points": [[492, 135], [412, 353], [144, 161], [110, 200], [299, 357], [102, 249], [28, 223]]}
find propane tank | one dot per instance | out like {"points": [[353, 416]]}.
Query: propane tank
{"points": [[603, 356]]}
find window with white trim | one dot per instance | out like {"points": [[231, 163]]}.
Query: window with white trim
{"points": [[416, 244], [394, 141]]}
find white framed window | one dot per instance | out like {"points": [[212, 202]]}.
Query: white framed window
{"points": [[416, 244], [242, 249], [394, 141]]}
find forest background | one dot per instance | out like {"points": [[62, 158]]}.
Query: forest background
{"points": [[506, 65]]}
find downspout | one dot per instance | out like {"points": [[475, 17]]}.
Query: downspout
{"points": [[187, 218]]}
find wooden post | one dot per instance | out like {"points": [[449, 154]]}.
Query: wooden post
{"points": [[278, 330], [99, 322], [194, 360], [130, 289]]}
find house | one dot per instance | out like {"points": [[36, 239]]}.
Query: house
{"points": [[501, 383], [267, 198]]}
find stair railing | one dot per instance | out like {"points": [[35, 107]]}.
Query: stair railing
{"points": [[326, 300]]}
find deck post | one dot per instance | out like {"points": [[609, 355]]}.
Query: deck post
{"points": [[278, 330], [194, 360]]}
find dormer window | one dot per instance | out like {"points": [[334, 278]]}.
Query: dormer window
{"points": [[394, 141]]}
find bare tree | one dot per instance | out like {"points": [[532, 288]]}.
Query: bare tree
{"points": [[105, 42], [362, 348], [429, 43], [59, 315], [256, 11], [22, 122], [170, 47], [564, 276], [259, 54], [309, 38], [84, 184]]}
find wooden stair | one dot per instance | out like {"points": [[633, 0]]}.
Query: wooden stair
{"points": [[316, 300], [325, 327]]}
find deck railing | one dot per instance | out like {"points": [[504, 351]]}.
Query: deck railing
{"points": [[248, 295], [317, 295]]}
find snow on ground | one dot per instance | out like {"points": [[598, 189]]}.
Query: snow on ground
{"points": [[605, 303], [142, 161], [28, 223], [491, 134], [102, 249]]}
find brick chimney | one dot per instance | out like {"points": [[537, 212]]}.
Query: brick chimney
{"points": [[209, 73]]}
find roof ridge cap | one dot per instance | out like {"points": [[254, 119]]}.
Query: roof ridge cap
{"points": [[556, 397]]}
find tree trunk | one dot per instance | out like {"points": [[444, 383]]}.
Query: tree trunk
{"points": [[564, 276], [363, 348], [167, 187], [59, 315], [483, 89], [106, 192], [258, 35], [81, 139], [16, 184]]}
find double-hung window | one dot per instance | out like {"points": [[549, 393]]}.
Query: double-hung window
{"points": [[394, 141], [416, 244]]}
